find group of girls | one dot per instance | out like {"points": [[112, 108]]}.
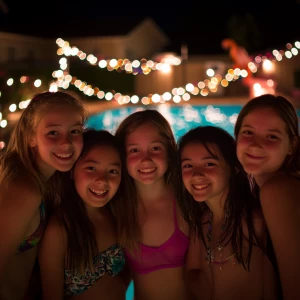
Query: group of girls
{"points": [[209, 217]]}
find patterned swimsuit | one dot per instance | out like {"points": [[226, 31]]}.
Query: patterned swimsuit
{"points": [[34, 239], [111, 260]]}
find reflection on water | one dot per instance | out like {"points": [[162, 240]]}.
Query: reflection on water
{"points": [[181, 118]]}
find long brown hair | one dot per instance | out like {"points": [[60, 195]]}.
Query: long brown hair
{"points": [[125, 208]]}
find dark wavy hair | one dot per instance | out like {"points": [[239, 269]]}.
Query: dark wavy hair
{"points": [[239, 202]]}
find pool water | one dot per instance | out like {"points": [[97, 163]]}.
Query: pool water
{"points": [[181, 118]]}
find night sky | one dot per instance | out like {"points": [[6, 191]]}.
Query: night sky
{"points": [[200, 25]]}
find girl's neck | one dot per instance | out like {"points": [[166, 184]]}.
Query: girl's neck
{"points": [[262, 179], [94, 213], [217, 208], [153, 192], [45, 169]]}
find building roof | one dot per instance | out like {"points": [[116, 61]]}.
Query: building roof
{"points": [[75, 28]]}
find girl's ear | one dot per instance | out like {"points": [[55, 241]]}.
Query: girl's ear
{"points": [[32, 141]]}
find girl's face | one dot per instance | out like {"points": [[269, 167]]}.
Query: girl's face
{"points": [[146, 153], [263, 142], [205, 176], [58, 140], [97, 176]]}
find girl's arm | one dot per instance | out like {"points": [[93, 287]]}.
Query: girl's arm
{"points": [[126, 275], [280, 201], [194, 275], [270, 286], [52, 261], [19, 204]]}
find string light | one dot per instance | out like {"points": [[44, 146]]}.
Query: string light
{"points": [[134, 67], [177, 94]]}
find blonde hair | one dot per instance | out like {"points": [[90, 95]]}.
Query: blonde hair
{"points": [[18, 159]]}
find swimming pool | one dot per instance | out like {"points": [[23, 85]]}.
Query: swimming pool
{"points": [[182, 118]]}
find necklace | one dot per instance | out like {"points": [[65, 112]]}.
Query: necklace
{"points": [[210, 258]]}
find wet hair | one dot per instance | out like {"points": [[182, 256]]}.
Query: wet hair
{"points": [[18, 158], [286, 111], [81, 240], [239, 203], [126, 209]]}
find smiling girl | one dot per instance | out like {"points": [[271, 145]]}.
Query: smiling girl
{"points": [[47, 138], [226, 256], [79, 254], [267, 133], [150, 225]]}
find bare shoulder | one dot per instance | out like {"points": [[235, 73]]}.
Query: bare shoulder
{"points": [[55, 235], [55, 227], [279, 182], [52, 248], [20, 192], [20, 199], [281, 187], [259, 222]]}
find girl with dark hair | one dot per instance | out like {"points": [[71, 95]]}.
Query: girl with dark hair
{"points": [[226, 257], [79, 255], [267, 134]]}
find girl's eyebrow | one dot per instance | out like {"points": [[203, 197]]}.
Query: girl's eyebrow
{"points": [[269, 130], [153, 142], [60, 125], [203, 158], [91, 161]]}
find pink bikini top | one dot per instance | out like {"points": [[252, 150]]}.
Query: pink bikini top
{"points": [[171, 254]]}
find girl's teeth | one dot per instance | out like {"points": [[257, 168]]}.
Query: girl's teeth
{"points": [[201, 186], [147, 170], [98, 192], [64, 155]]}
